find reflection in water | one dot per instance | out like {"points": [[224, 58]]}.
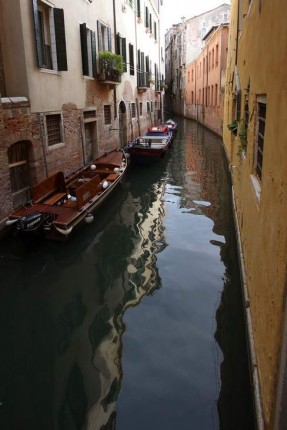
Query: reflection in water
{"points": [[61, 367], [62, 308]]}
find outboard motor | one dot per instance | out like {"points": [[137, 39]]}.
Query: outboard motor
{"points": [[30, 222]]}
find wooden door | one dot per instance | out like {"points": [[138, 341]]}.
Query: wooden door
{"points": [[18, 158]]}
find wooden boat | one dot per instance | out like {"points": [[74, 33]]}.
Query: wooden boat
{"points": [[151, 146], [61, 204], [172, 125]]}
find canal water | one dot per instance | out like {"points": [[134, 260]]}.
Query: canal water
{"points": [[137, 322]]}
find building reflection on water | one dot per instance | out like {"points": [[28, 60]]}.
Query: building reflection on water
{"points": [[64, 313]]}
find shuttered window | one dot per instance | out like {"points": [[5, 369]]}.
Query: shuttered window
{"points": [[88, 48], [121, 49], [50, 37], [138, 8], [131, 55], [104, 37]]}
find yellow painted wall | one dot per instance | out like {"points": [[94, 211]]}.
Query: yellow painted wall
{"points": [[261, 205]]}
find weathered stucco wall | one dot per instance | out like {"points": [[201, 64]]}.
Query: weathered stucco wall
{"points": [[261, 203]]}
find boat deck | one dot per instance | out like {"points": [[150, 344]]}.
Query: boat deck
{"points": [[63, 214]]}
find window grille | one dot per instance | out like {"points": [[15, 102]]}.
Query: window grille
{"points": [[107, 114], [53, 128], [133, 109], [260, 138]]}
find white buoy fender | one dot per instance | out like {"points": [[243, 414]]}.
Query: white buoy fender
{"points": [[93, 167], [64, 232], [11, 221], [105, 184], [89, 218]]}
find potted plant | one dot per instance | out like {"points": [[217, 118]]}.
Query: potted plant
{"points": [[111, 64], [233, 126]]}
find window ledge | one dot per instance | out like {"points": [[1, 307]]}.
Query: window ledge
{"points": [[88, 78], [56, 146], [256, 187], [49, 71]]}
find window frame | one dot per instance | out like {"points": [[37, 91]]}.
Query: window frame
{"points": [[61, 130]]}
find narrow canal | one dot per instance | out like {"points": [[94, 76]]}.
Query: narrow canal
{"points": [[137, 322]]}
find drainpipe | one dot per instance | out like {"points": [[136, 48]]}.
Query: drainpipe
{"points": [[115, 35]]}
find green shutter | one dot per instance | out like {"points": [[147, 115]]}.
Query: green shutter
{"points": [[100, 40], [38, 34], [131, 55], [84, 48], [109, 37], [60, 39], [94, 53], [124, 52]]}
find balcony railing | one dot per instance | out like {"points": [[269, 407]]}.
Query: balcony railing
{"points": [[110, 76]]}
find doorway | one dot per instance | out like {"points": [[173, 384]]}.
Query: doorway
{"points": [[18, 159], [122, 124]]}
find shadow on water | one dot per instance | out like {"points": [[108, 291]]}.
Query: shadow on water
{"points": [[205, 166], [61, 308], [62, 305]]}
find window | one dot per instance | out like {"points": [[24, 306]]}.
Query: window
{"points": [[155, 30], [141, 75], [215, 94], [104, 37], [49, 27], [133, 110], [107, 114], [216, 55], [188, 76], [211, 101], [261, 118], [131, 55], [131, 3], [54, 128], [146, 18], [213, 58], [192, 97], [88, 48], [141, 108], [192, 75], [147, 107], [138, 8], [121, 49], [151, 106]]}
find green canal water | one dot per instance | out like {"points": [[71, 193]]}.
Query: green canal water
{"points": [[137, 322]]}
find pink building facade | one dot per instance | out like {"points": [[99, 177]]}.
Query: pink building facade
{"points": [[205, 81]]}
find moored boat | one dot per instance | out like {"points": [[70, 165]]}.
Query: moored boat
{"points": [[151, 146], [172, 125], [60, 205]]}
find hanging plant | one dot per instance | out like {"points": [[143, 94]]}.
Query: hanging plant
{"points": [[242, 134], [233, 126]]}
